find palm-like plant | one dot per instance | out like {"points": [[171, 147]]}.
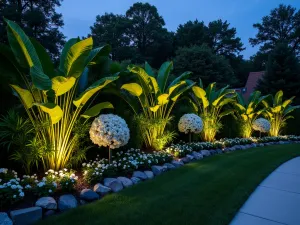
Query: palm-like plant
{"points": [[210, 103], [156, 100], [50, 96], [248, 111], [277, 112]]}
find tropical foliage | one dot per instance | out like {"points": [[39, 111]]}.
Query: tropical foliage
{"points": [[210, 103], [277, 112], [50, 96], [156, 96], [248, 111]]}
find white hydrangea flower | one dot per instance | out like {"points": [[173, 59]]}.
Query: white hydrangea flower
{"points": [[109, 130], [190, 123], [261, 125]]}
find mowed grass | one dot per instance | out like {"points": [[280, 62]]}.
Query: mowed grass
{"points": [[207, 192]]}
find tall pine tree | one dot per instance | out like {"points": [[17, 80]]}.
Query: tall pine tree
{"points": [[282, 72]]}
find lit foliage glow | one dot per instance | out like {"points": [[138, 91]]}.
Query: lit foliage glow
{"points": [[277, 112], [190, 123], [262, 125], [50, 96], [109, 130]]}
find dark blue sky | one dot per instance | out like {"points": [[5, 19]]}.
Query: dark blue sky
{"points": [[80, 15]]}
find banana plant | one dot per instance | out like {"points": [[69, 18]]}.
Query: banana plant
{"points": [[156, 97], [248, 111], [277, 112], [210, 103], [49, 95]]}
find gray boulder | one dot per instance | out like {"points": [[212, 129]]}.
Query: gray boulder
{"points": [[4, 219], [135, 180], [185, 160], [170, 166], [197, 155], [48, 213], [219, 151], [46, 203], [125, 181], [190, 157], [26, 216], [177, 163], [205, 153], [66, 202], [212, 152], [114, 184], [157, 170], [139, 174], [149, 174], [101, 189], [88, 195]]}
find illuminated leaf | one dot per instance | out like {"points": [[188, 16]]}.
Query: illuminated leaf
{"points": [[96, 109], [61, 85], [25, 96], [90, 91], [133, 88], [163, 99], [53, 110], [154, 108]]}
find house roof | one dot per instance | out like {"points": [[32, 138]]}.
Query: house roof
{"points": [[252, 82]]}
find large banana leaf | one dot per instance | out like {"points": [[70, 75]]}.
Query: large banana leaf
{"points": [[278, 98], [201, 94], [26, 55], [287, 102], [75, 59], [133, 88], [240, 107], [61, 85], [65, 51], [53, 110], [163, 75], [149, 70], [25, 96], [92, 58], [44, 57], [154, 85], [163, 99], [154, 108], [182, 77], [176, 94], [175, 86], [39, 79], [21, 46], [96, 109], [90, 91], [144, 78]]}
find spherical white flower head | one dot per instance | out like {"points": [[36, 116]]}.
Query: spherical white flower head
{"points": [[190, 123], [261, 125], [109, 130]]}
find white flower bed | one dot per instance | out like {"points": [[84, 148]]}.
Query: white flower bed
{"points": [[261, 125], [190, 123], [109, 130]]}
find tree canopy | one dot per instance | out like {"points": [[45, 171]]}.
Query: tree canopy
{"points": [[205, 65], [281, 25], [282, 72], [38, 18]]}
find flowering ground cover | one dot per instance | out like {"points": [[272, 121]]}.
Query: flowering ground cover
{"points": [[209, 191]]}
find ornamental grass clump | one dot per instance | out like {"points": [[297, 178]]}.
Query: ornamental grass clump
{"points": [[152, 98], [262, 125], [210, 104], [110, 131], [51, 96], [190, 123], [277, 112]]}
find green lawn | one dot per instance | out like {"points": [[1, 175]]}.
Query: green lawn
{"points": [[207, 192]]}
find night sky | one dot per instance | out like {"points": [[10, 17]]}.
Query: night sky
{"points": [[80, 15]]}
